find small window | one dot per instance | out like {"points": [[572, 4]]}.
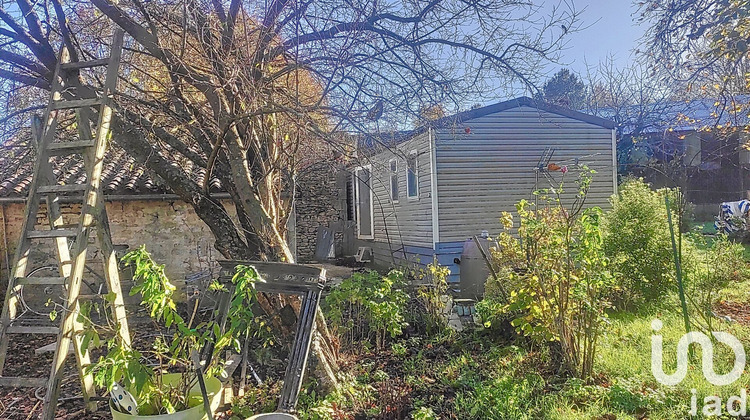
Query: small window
{"points": [[412, 175], [394, 179]]}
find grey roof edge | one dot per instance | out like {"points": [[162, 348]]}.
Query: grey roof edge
{"points": [[465, 116]]}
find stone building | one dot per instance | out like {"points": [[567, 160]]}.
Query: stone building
{"points": [[142, 211]]}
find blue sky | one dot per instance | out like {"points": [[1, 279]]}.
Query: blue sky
{"points": [[609, 27]]}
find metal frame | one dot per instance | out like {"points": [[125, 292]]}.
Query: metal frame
{"points": [[288, 279]]}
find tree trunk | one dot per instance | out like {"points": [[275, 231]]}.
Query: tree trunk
{"points": [[227, 238]]}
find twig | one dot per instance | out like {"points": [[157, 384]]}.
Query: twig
{"points": [[31, 413]]}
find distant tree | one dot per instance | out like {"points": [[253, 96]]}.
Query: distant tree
{"points": [[629, 96], [702, 42], [564, 89]]}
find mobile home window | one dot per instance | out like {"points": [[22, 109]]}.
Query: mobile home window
{"points": [[412, 175], [363, 183], [394, 179]]}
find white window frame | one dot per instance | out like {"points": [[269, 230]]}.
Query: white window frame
{"points": [[393, 173], [409, 195], [357, 203]]}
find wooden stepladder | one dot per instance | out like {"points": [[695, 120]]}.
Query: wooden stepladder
{"points": [[71, 240]]}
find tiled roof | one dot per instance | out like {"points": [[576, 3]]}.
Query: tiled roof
{"points": [[121, 175]]}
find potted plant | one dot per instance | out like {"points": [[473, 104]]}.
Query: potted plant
{"points": [[164, 380]]}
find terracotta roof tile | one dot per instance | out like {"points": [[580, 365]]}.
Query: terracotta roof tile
{"points": [[121, 175]]}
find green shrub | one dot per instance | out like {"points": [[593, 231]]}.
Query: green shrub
{"points": [[424, 413], [555, 275], [638, 244], [368, 306], [428, 309]]}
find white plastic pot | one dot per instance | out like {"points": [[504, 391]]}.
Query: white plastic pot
{"points": [[273, 416], [213, 388]]}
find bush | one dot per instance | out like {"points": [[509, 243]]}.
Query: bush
{"points": [[428, 309], [368, 306], [637, 241], [555, 275], [711, 267]]}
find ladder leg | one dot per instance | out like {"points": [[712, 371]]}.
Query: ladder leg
{"points": [[104, 236], [10, 305], [83, 361], [67, 331], [90, 217], [112, 271]]}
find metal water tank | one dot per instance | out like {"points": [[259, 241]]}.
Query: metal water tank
{"points": [[474, 270]]}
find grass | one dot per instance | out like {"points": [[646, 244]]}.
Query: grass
{"points": [[707, 228]]}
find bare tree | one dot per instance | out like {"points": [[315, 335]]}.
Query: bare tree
{"points": [[631, 97], [242, 91], [704, 42]]}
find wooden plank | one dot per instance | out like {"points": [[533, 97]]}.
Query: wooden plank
{"points": [[46, 234], [20, 382], [76, 103], [32, 329], [40, 281], [51, 189], [50, 348], [76, 65], [57, 149]]}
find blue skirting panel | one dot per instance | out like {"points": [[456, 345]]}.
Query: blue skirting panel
{"points": [[446, 252]]}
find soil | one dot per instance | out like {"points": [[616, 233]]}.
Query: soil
{"points": [[736, 311], [23, 404]]}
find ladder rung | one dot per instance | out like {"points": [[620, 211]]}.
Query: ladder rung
{"points": [[46, 189], [21, 382], [57, 233], [76, 103], [40, 280], [32, 329], [67, 226], [84, 64], [70, 147]]}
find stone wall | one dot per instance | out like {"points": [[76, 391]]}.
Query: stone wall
{"points": [[171, 231], [320, 201]]}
